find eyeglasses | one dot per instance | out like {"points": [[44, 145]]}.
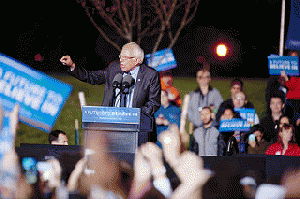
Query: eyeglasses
{"points": [[203, 77], [125, 57]]}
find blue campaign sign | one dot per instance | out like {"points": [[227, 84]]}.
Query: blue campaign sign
{"points": [[40, 96], [237, 124], [246, 114], [162, 60], [289, 64]]}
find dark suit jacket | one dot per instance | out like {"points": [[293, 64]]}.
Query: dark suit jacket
{"points": [[147, 85]]}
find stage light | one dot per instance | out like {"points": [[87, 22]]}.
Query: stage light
{"points": [[221, 50]]}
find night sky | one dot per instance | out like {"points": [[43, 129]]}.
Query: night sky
{"points": [[55, 28]]}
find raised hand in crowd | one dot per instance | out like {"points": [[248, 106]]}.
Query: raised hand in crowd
{"points": [[73, 179], [282, 74], [102, 172], [12, 183], [149, 162], [171, 144], [187, 165], [192, 175], [290, 181]]}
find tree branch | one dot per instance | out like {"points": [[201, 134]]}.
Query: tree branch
{"points": [[109, 18], [100, 30]]}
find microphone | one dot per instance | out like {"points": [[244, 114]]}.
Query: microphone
{"points": [[117, 80], [127, 82]]}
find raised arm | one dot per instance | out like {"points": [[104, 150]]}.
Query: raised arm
{"points": [[91, 77]]}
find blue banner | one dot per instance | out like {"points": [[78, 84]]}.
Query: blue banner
{"points": [[247, 114], [161, 63], [237, 124], [289, 64], [293, 35], [40, 96]]}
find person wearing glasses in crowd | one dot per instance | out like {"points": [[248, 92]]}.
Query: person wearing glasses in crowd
{"points": [[144, 93], [203, 96]]}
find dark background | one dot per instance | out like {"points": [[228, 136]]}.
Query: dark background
{"points": [[52, 29]]}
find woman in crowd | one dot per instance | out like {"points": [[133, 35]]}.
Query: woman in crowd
{"points": [[286, 143], [228, 145], [284, 119]]}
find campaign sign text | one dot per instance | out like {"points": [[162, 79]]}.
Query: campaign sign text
{"points": [[237, 124], [168, 62], [101, 114], [247, 114], [40, 96], [289, 64]]}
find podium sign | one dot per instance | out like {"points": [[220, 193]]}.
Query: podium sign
{"points": [[111, 118], [121, 127]]}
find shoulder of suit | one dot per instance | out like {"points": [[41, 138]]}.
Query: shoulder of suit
{"points": [[148, 68]]}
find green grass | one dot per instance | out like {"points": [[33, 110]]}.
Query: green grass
{"points": [[254, 90]]}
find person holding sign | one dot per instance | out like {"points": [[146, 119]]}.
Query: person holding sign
{"points": [[292, 96], [239, 102], [228, 145], [236, 86]]}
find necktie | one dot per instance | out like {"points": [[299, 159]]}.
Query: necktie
{"points": [[124, 94]]}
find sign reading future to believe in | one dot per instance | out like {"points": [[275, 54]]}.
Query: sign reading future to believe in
{"points": [[239, 124], [161, 60], [40, 96], [289, 64]]}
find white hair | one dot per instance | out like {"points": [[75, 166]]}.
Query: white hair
{"points": [[137, 51]]}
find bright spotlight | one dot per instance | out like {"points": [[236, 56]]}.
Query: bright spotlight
{"points": [[221, 50]]}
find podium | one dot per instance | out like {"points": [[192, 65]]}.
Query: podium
{"points": [[124, 128]]}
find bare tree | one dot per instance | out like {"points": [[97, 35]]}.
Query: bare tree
{"points": [[133, 20]]}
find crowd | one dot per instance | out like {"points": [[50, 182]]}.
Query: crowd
{"points": [[205, 109], [165, 171]]}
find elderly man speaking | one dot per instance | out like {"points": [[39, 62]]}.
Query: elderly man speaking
{"points": [[144, 89]]}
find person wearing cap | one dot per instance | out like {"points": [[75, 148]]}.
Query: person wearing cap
{"points": [[236, 86]]}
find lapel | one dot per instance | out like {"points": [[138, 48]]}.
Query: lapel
{"points": [[138, 84]]}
